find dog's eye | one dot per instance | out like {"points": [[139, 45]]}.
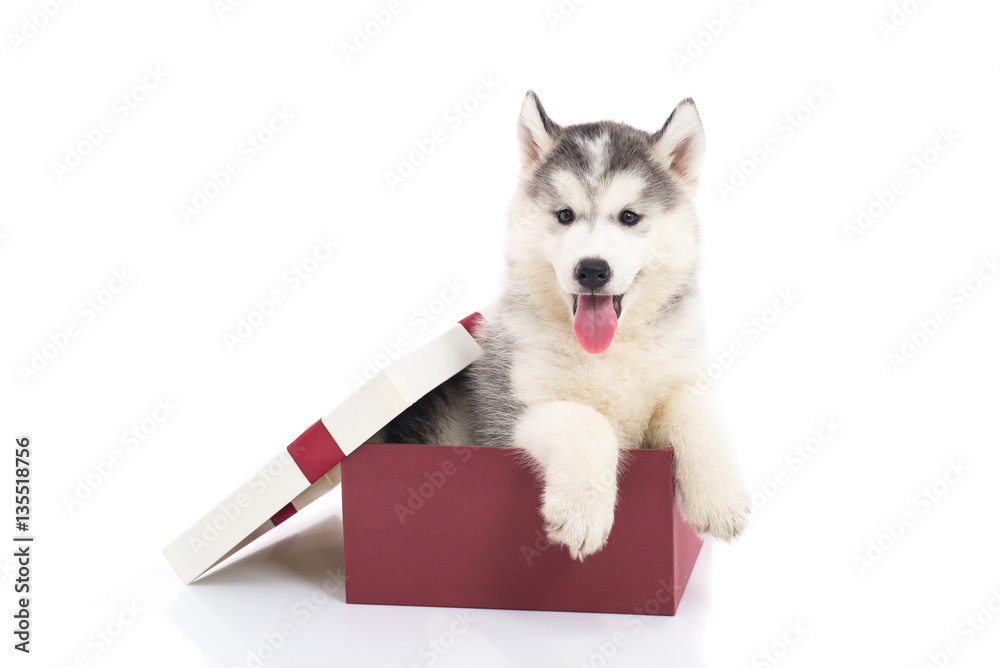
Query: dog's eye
{"points": [[629, 217], [565, 216]]}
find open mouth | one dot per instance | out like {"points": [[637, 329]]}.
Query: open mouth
{"points": [[595, 320], [616, 302]]}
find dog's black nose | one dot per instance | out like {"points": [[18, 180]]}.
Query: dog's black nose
{"points": [[593, 273]]}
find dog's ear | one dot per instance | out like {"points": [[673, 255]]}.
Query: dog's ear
{"points": [[680, 143], [535, 132]]}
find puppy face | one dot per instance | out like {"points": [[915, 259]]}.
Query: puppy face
{"points": [[603, 224]]}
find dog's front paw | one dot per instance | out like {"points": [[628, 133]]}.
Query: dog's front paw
{"points": [[579, 516], [721, 511]]}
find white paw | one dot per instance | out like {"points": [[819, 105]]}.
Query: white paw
{"points": [[718, 510], [579, 515]]}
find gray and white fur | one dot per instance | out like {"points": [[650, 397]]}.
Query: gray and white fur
{"points": [[630, 195]]}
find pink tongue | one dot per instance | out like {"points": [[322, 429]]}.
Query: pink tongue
{"points": [[595, 322]]}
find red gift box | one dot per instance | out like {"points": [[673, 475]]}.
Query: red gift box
{"points": [[452, 526], [460, 526]]}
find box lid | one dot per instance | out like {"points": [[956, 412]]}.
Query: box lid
{"points": [[309, 466]]}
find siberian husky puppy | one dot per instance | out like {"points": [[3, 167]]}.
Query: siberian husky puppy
{"points": [[598, 340]]}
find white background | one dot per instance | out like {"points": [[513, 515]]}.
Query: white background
{"points": [[162, 337]]}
